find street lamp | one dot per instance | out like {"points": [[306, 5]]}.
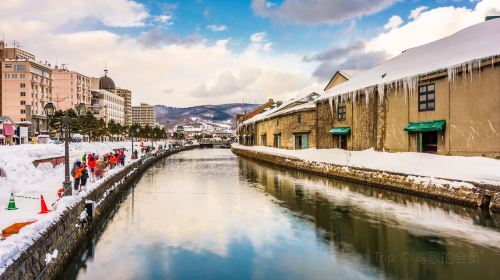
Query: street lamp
{"points": [[133, 132], [50, 110]]}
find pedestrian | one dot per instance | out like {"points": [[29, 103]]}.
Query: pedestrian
{"points": [[122, 159], [91, 162], [84, 177], [118, 158], [112, 160], [84, 158], [99, 168], [76, 172]]}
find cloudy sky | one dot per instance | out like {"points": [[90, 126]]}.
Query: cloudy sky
{"points": [[192, 52]]}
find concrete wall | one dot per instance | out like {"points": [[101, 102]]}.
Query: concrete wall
{"points": [[476, 196], [287, 125]]}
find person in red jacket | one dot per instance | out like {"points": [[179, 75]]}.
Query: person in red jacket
{"points": [[91, 164], [112, 160]]}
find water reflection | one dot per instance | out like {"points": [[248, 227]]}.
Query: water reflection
{"points": [[403, 236], [206, 214]]}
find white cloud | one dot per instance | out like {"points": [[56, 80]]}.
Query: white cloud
{"points": [[114, 13], [394, 22], [258, 37], [431, 25], [217, 28], [318, 11], [164, 19], [159, 68], [415, 13], [259, 42]]}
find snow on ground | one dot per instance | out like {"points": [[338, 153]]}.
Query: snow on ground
{"points": [[471, 169], [24, 179]]}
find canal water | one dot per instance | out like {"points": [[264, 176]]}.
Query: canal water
{"points": [[207, 214]]}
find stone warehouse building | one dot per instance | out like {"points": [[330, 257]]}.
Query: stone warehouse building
{"points": [[442, 97], [246, 133], [292, 125]]}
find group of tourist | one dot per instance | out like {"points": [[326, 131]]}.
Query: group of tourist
{"points": [[93, 167]]}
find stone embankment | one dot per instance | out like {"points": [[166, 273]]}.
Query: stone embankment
{"points": [[65, 236], [465, 193]]}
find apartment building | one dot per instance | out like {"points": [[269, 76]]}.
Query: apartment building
{"points": [[127, 96], [70, 88], [143, 114], [26, 86], [112, 107]]}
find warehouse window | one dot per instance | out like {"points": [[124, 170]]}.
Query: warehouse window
{"points": [[341, 110], [426, 98]]}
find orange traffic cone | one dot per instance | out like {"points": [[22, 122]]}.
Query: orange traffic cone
{"points": [[43, 206]]}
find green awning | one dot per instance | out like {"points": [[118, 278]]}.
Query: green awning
{"points": [[340, 130], [425, 126]]}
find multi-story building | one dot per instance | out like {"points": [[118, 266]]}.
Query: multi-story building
{"points": [[70, 88], [110, 105], [144, 114], [26, 86], [127, 96]]}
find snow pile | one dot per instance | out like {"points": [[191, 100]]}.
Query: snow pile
{"points": [[421, 166], [24, 179], [49, 257], [462, 51]]}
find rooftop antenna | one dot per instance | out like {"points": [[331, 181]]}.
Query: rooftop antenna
{"points": [[105, 69]]}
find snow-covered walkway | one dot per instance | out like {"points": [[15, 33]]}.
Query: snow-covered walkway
{"points": [[455, 168], [24, 179]]}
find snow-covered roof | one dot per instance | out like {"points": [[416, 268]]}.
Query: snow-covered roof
{"points": [[297, 108], [350, 73], [463, 50], [285, 107]]}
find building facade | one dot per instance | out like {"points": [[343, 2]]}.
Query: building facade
{"points": [[70, 88], [26, 86], [127, 96], [451, 110], [112, 107], [427, 99], [459, 118], [144, 114], [291, 125], [294, 130]]}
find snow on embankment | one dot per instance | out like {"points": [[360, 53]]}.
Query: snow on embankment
{"points": [[426, 166], [24, 179]]}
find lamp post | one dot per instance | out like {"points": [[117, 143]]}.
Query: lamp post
{"points": [[50, 110], [133, 132]]}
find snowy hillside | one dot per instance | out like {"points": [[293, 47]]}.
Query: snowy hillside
{"points": [[213, 115]]}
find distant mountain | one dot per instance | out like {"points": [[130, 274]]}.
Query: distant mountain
{"points": [[214, 115]]}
